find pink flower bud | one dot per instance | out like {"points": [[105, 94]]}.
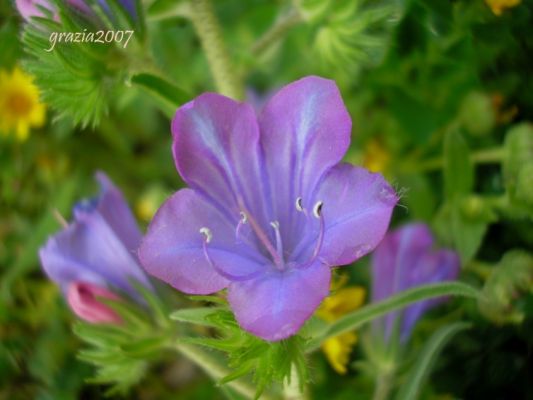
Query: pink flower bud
{"points": [[82, 298]]}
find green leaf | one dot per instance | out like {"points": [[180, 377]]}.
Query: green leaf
{"points": [[429, 353], [365, 314], [509, 281], [168, 95], [195, 315], [518, 151], [458, 169], [144, 348]]}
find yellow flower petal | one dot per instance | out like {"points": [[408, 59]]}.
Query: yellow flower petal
{"points": [[20, 107], [338, 349], [341, 302], [498, 6]]}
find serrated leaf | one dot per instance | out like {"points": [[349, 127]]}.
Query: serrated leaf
{"points": [[144, 348], [367, 313], [195, 315], [418, 374]]}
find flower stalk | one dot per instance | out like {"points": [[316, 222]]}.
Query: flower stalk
{"points": [[214, 369], [485, 156], [277, 31], [383, 385], [208, 29]]}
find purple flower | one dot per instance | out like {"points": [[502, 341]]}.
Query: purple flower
{"points": [[270, 207], [95, 255], [32, 8], [406, 259]]}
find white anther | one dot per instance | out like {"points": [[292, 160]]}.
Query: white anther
{"points": [[207, 233], [275, 225], [244, 217], [317, 209], [299, 205]]}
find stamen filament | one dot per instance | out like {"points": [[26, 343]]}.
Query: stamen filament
{"points": [[263, 238], [279, 243]]}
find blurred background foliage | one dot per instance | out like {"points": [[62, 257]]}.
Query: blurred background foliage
{"points": [[441, 97]]}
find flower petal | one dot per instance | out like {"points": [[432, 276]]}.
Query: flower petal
{"points": [[82, 299], [113, 207], [89, 250], [173, 248], [277, 304], [216, 150], [394, 260], [439, 266], [305, 130], [357, 207]]}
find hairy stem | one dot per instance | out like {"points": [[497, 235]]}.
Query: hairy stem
{"points": [[485, 156], [208, 29], [277, 31], [383, 386], [212, 367]]}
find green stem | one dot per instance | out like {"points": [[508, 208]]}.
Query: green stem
{"points": [[277, 31], [208, 29], [214, 369], [486, 156], [383, 386]]}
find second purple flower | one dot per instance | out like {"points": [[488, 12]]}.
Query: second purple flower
{"points": [[270, 207]]}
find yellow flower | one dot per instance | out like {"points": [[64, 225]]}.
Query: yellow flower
{"points": [[341, 302], [20, 107], [498, 6], [376, 157]]}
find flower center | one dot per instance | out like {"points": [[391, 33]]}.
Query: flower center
{"points": [[19, 103], [275, 250]]}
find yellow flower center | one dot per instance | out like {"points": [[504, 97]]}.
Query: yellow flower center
{"points": [[19, 103]]}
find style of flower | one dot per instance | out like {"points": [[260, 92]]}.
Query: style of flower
{"points": [[20, 107], [406, 259], [499, 6], [270, 208], [342, 301], [95, 255]]}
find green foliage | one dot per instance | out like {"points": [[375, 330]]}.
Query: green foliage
{"points": [[122, 353], [269, 362], [512, 276], [79, 76], [357, 318], [169, 95], [410, 389], [351, 34], [458, 169]]}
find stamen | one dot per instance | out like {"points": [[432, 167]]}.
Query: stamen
{"points": [[207, 234], [317, 209], [279, 243], [265, 241], [299, 204], [242, 221], [300, 207], [317, 212], [207, 238]]}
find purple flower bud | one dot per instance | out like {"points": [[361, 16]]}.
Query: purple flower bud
{"points": [[31, 8], [96, 253], [405, 259]]}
